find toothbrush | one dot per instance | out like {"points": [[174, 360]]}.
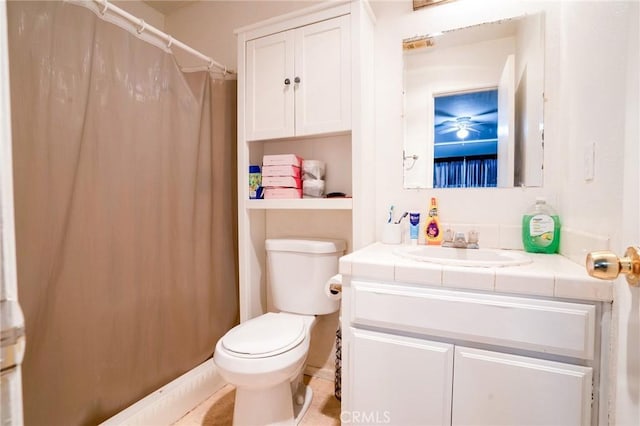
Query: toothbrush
{"points": [[401, 217], [390, 214]]}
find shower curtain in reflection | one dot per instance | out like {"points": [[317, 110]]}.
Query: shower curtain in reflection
{"points": [[125, 212]]}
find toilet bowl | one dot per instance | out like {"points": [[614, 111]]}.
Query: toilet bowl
{"points": [[276, 352], [264, 357], [267, 373]]}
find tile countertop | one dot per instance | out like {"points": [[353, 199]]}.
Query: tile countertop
{"points": [[548, 275]]}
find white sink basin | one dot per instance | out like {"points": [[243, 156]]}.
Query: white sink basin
{"points": [[484, 258]]}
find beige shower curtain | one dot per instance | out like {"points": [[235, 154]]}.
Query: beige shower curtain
{"points": [[125, 212]]}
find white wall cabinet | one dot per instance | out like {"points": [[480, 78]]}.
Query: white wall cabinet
{"points": [[413, 357], [298, 82]]}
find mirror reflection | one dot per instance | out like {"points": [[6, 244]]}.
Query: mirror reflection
{"points": [[473, 106]]}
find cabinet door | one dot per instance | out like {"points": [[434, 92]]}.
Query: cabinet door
{"points": [[399, 380], [492, 388], [269, 99], [323, 65]]}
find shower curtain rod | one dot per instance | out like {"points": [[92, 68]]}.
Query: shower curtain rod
{"points": [[105, 6]]}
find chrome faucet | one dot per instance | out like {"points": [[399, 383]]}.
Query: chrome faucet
{"points": [[458, 239]]}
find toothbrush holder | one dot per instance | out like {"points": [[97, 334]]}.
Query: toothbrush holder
{"points": [[392, 233]]}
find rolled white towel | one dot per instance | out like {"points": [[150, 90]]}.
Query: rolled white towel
{"points": [[313, 188], [313, 169]]}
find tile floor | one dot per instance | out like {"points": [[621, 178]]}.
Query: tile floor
{"points": [[218, 408]]}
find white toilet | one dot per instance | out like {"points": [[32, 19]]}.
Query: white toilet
{"points": [[264, 357]]}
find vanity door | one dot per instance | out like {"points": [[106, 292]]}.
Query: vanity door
{"points": [[399, 380], [492, 388]]}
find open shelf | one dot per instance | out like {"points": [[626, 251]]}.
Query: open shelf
{"points": [[302, 203]]}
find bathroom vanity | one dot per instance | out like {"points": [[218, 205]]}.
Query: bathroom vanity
{"points": [[432, 344]]}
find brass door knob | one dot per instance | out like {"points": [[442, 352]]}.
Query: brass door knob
{"points": [[605, 265]]}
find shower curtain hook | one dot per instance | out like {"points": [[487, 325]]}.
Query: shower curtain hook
{"points": [[170, 42], [105, 3], [210, 64], [143, 26]]}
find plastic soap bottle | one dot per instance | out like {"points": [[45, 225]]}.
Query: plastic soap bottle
{"points": [[433, 234], [541, 228]]}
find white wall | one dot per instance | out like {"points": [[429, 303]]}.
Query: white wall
{"points": [[600, 92], [143, 11], [208, 26]]}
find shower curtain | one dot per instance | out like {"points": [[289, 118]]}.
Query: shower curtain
{"points": [[125, 212]]}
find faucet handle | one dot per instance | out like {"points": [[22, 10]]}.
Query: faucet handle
{"points": [[472, 243], [448, 235]]}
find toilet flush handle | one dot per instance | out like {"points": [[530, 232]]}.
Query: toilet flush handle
{"points": [[605, 265], [335, 288]]}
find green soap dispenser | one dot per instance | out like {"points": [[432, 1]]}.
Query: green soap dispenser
{"points": [[541, 228]]}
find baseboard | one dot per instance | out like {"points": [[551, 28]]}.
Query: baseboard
{"points": [[172, 401]]}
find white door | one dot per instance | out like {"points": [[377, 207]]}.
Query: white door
{"points": [[506, 123], [323, 72], [270, 86], [492, 388], [627, 298], [12, 323], [399, 380]]}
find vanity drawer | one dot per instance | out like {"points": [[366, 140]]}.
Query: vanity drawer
{"points": [[547, 326]]}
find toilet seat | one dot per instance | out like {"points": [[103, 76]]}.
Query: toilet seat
{"points": [[265, 336]]}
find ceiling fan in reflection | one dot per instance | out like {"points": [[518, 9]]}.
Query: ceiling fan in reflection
{"points": [[461, 125]]}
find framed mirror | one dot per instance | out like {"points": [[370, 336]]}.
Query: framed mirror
{"points": [[473, 106]]}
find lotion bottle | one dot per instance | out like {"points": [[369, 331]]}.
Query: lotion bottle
{"points": [[433, 232]]}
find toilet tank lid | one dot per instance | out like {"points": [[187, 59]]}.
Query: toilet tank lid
{"points": [[306, 245]]}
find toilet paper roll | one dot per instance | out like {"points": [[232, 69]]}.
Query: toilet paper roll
{"points": [[331, 287]]}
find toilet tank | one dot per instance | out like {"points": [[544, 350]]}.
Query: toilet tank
{"points": [[298, 270]]}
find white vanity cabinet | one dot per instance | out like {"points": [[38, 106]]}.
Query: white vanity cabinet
{"points": [[421, 355], [299, 81]]}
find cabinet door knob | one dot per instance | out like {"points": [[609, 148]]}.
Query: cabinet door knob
{"points": [[287, 81], [296, 80]]}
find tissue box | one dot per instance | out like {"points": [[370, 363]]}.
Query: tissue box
{"points": [[282, 181], [281, 171], [282, 160], [276, 193]]}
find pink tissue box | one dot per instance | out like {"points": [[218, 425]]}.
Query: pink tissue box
{"points": [[275, 193], [281, 171], [282, 160], [282, 181]]}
